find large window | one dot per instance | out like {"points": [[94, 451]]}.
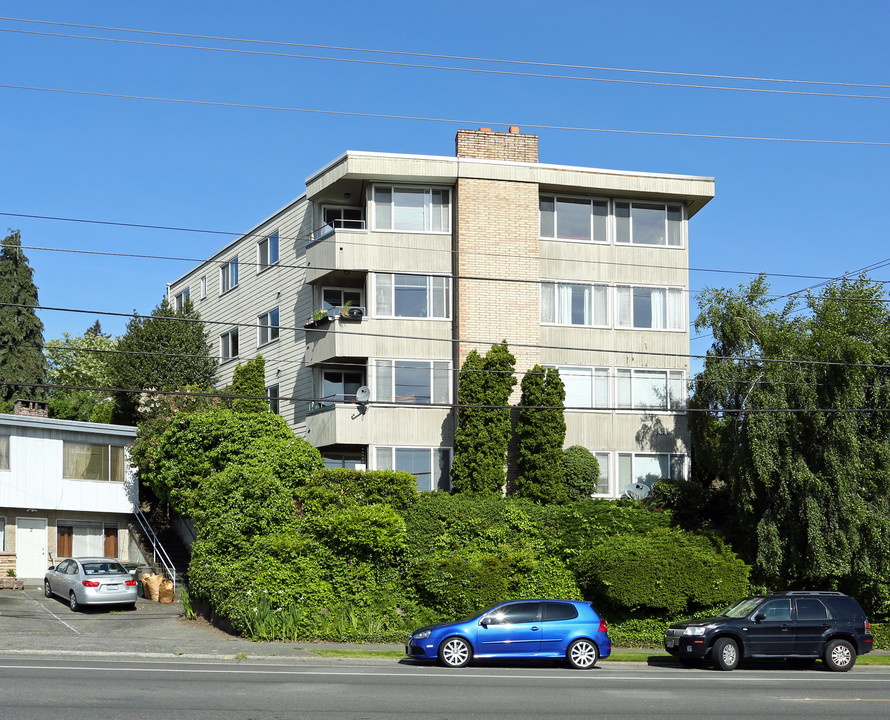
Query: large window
{"points": [[83, 461], [650, 389], [413, 296], [654, 308], [333, 297], [268, 327], [228, 345], [412, 209], [343, 218], [267, 251], [574, 304], [4, 452], [86, 540], [180, 300], [431, 466], [586, 387], [413, 381], [564, 218], [229, 275], [339, 386], [648, 468], [643, 223]]}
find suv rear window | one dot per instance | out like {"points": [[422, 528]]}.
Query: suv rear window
{"points": [[811, 609], [844, 608]]}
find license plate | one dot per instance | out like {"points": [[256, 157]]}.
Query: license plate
{"points": [[112, 588], [670, 642]]}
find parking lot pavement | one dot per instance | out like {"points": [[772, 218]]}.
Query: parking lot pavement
{"points": [[31, 624]]}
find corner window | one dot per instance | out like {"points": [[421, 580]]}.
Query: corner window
{"points": [[228, 345], [4, 452], [336, 298], [267, 251], [574, 304], [431, 466], [340, 385], [413, 296], [642, 223], [586, 387], [180, 300], [82, 461], [582, 219], [273, 395], [343, 218], [229, 275], [412, 209], [647, 468], [268, 327], [650, 389], [412, 381], [653, 308]]}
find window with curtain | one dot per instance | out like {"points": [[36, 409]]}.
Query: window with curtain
{"points": [[75, 539], [4, 452], [412, 296], [654, 308], [650, 467], [575, 304], [413, 381], [431, 466], [82, 461], [567, 218], [650, 389], [586, 387], [412, 208]]}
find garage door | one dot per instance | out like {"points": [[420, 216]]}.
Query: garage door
{"points": [[31, 558]]}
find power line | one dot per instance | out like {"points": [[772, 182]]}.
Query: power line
{"points": [[477, 70], [487, 123]]}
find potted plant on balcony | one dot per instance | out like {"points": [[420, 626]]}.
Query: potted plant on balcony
{"points": [[320, 318]]}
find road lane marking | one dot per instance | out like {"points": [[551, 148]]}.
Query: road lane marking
{"points": [[836, 699], [52, 613]]}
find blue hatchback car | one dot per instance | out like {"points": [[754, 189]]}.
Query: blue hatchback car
{"points": [[567, 629]]}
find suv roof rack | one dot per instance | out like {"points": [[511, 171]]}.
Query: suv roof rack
{"points": [[809, 592]]}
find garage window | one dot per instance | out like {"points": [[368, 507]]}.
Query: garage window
{"points": [[81, 539]]}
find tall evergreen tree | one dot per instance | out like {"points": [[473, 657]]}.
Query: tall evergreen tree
{"points": [[483, 421], [168, 350], [540, 434], [250, 379], [21, 331]]}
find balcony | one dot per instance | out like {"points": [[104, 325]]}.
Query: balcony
{"points": [[344, 424]]}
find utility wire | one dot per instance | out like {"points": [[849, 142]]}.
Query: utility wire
{"points": [[487, 123]]}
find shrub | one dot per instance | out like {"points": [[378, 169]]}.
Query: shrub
{"points": [[662, 572], [582, 472], [327, 487], [360, 532], [881, 632], [540, 434]]}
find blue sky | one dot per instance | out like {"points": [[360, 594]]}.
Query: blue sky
{"points": [[810, 209]]}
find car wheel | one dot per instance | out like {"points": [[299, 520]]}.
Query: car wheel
{"points": [[72, 602], [455, 652], [801, 663], [839, 656], [47, 590], [582, 654], [726, 654]]}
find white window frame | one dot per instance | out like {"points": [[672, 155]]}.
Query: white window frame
{"points": [[203, 287], [674, 385], [556, 303], [626, 238], [599, 232], [439, 385], [273, 392], [591, 373], [674, 460], [112, 467], [264, 252], [5, 449], [228, 275], [336, 288], [268, 332], [225, 345], [380, 223], [435, 454], [674, 308], [438, 296], [342, 223]]}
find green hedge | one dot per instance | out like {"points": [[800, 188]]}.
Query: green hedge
{"points": [[339, 487], [881, 632], [664, 572]]}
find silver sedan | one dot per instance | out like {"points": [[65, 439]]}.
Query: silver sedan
{"points": [[90, 581]]}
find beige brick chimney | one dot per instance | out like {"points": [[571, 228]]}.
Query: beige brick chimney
{"points": [[486, 144]]}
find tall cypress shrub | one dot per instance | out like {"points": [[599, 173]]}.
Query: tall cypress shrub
{"points": [[250, 379], [21, 331]]}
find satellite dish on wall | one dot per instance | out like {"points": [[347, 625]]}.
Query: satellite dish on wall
{"points": [[363, 394], [637, 491]]}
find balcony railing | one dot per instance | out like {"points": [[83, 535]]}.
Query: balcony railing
{"points": [[339, 224], [331, 400]]}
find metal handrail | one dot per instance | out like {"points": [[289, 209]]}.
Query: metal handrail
{"points": [[157, 549]]}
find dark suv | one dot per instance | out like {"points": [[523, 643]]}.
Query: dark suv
{"points": [[799, 626]]}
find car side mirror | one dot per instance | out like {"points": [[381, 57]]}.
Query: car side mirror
{"points": [[51, 567], [759, 617]]}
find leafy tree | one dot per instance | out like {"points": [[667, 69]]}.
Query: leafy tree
{"points": [[796, 433], [540, 433], [21, 331], [582, 472], [250, 380], [81, 361], [166, 351], [483, 420]]}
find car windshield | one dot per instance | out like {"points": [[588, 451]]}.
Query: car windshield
{"points": [[741, 609], [103, 568]]}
